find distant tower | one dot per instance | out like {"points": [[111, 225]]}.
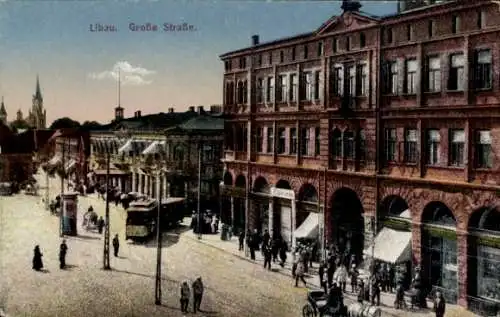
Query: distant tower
{"points": [[37, 115], [119, 110], [3, 113]]}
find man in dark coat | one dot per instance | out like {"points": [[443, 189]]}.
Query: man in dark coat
{"points": [[241, 240], [116, 245], [282, 252], [439, 305], [198, 289], [275, 247], [267, 257], [63, 249], [265, 239], [100, 224], [329, 273], [37, 259]]}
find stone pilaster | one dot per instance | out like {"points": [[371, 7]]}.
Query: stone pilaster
{"points": [[416, 243], [462, 252]]}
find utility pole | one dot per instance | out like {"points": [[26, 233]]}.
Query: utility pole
{"points": [[47, 194], [63, 163], [159, 241], [200, 227], [105, 259]]}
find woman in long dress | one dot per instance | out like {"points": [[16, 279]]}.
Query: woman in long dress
{"points": [[37, 259]]}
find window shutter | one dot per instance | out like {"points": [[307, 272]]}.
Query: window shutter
{"points": [[411, 136], [475, 71], [484, 57], [434, 136], [484, 137], [457, 60], [385, 76], [425, 76], [458, 137]]}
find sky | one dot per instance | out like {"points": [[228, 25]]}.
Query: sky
{"points": [[78, 68]]}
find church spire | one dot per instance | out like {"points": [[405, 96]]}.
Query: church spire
{"points": [[3, 111], [38, 93]]}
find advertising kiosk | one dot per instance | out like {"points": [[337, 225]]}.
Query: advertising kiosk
{"points": [[69, 213]]}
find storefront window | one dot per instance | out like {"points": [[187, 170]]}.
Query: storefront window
{"points": [[488, 277]]}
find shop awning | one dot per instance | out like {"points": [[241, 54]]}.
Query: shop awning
{"points": [[153, 148], [127, 147], [391, 246], [309, 228], [71, 164], [55, 160]]}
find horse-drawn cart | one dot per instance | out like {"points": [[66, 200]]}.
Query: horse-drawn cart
{"points": [[90, 221], [316, 306]]}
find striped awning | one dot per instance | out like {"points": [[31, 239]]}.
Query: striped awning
{"points": [[155, 148], [127, 147]]}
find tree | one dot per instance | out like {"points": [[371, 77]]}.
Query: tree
{"points": [[19, 125], [64, 123], [90, 125]]}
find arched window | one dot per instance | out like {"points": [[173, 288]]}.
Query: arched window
{"points": [[336, 146], [239, 92], [245, 92]]}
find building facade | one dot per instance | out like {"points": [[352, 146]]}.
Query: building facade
{"points": [[376, 123], [157, 154], [16, 157]]}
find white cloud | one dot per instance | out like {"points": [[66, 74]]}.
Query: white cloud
{"points": [[129, 75]]}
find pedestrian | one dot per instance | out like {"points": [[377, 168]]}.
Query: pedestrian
{"points": [[329, 274], [241, 240], [439, 305], [399, 302], [341, 277], [63, 249], [299, 274], [100, 224], [116, 245], [354, 277], [185, 294], [265, 239], [361, 291], [282, 252], [375, 291], [197, 294], [37, 259], [267, 257], [321, 273]]}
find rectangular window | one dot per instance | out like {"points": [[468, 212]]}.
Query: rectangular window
{"points": [[294, 53], [361, 79], [455, 24], [260, 91], [349, 152], [245, 139], [409, 32], [335, 45], [392, 78], [434, 74], [281, 140], [305, 138], [362, 145], [282, 56], [351, 73], [320, 49], [362, 40], [430, 28], [243, 63], [308, 88], [317, 141], [282, 89], [306, 51], [293, 87], [483, 70], [348, 43], [411, 76], [317, 82], [259, 60], [270, 140], [389, 35], [481, 19], [270, 58], [457, 145], [293, 141], [227, 65], [259, 138], [390, 145], [339, 81], [433, 151], [411, 139], [270, 89], [456, 77], [483, 151]]}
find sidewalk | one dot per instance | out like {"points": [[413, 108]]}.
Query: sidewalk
{"points": [[312, 279]]}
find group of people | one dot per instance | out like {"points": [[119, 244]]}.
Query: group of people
{"points": [[209, 223], [37, 257], [197, 289], [271, 248]]}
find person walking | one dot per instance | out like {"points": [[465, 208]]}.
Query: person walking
{"points": [[265, 239], [342, 277], [100, 224], [185, 293], [439, 305], [241, 240], [354, 278], [299, 273], [321, 273], [267, 257], [329, 274], [375, 291], [37, 259], [116, 245], [63, 249], [282, 252], [197, 294]]}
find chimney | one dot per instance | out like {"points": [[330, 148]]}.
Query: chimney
{"points": [[137, 114], [200, 109], [215, 109], [255, 40], [170, 110], [191, 109]]}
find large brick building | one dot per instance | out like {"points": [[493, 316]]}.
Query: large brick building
{"points": [[377, 123]]}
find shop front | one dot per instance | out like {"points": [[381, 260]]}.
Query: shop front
{"points": [[260, 198], [233, 207], [282, 220]]}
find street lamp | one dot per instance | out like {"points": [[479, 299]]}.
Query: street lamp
{"points": [[105, 259], [159, 238]]}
